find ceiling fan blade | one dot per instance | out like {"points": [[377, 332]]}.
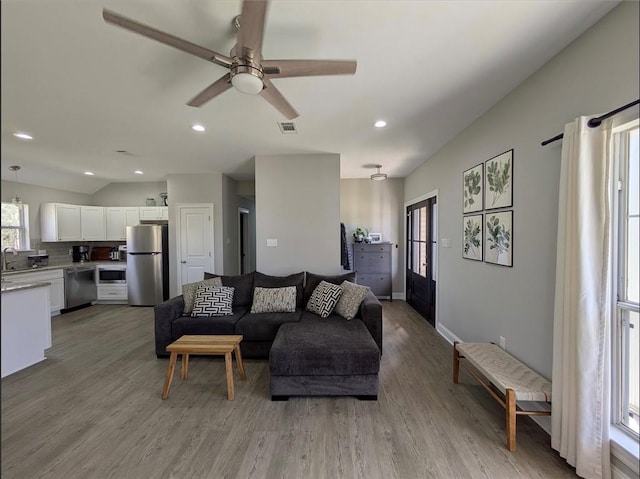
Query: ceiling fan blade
{"points": [[251, 33], [273, 96], [166, 38], [304, 68], [219, 86]]}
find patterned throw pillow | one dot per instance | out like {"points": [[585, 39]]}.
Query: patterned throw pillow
{"points": [[352, 296], [274, 300], [213, 301], [189, 292], [324, 299]]}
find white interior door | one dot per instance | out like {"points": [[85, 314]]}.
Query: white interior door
{"points": [[195, 236]]}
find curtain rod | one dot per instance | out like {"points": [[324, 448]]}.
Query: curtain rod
{"points": [[595, 122]]}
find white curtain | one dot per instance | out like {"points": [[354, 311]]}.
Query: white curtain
{"points": [[583, 309]]}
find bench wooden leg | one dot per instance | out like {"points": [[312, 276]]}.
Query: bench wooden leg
{"points": [[169, 378], [185, 366], [229, 367], [456, 363], [510, 409], [239, 362]]}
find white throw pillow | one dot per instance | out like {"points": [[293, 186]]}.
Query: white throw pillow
{"points": [[213, 301], [350, 300], [189, 292], [324, 298], [274, 300]]}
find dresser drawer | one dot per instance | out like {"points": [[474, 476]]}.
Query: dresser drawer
{"points": [[379, 283], [372, 262], [371, 247]]}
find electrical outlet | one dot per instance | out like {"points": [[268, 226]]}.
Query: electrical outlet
{"points": [[503, 342], [70, 251]]}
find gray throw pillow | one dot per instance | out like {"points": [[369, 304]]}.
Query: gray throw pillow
{"points": [[274, 300], [324, 298], [350, 300], [213, 301], [189, 292]]}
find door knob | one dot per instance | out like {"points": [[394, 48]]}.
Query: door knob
{"points": [[183, 261]]}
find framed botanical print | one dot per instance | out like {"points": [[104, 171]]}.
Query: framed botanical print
{"points": [[472, 237], [498, 181], [472, 183], [498, 238]]}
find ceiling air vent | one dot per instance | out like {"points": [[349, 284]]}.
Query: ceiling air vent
{"points": [[287, 127]]}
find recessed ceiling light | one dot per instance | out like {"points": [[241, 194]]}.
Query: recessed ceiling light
{"points": [[24, 136], [88, 173], [380, 124], [198, 127], [139, 172]]}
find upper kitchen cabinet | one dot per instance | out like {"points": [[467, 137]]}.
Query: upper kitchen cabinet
{"points": [[92, 223], [154, 213], [60, 222], [117, 220]]}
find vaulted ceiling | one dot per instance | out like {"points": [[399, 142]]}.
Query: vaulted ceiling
{"points": [[85, 89]]}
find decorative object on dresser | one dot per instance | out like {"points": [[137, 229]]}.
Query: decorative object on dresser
{"points": [[372, 264], [375, 237], [359, 234]]}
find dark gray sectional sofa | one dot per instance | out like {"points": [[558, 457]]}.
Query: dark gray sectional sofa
{"points": [[308, 355]]}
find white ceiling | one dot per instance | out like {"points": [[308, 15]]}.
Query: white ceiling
{"points": [[84, 88]]}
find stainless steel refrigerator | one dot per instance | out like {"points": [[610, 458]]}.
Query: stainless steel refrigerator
{"points": [[147, 264]]}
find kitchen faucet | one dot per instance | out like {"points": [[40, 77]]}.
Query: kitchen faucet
{"points": [[5, 263]]}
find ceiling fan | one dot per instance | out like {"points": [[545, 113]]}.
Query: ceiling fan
{"points": [[248, 72]]}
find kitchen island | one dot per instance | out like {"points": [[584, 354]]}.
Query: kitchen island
{"points": [[26, 325]]}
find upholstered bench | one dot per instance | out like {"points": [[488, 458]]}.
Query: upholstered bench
{"points": [[324, 357], [511, 377]]}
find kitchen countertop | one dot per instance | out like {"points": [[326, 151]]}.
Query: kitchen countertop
{"points": [[8, 287], [61, 266]]}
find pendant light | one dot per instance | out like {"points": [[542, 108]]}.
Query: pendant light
{"points": [[379, 176], [17, 200]]}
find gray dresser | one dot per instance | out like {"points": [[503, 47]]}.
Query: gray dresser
{"points": [[372, 264]]}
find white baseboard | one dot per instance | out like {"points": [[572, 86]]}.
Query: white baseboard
{"points": [[446, 334]]}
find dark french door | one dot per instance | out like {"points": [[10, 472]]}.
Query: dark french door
{"points": [[421, 258]]}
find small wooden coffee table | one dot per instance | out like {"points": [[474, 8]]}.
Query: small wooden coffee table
{"points": [[205, 345]]}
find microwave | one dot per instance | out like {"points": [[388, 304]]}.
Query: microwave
{"points": [[110, 274]]}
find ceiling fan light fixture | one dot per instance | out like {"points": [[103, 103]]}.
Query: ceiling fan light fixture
{"points": [[379, 176], [380, 124], [247, 83], [198, 127], [22, 135]]}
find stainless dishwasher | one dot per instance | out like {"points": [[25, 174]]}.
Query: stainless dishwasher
{"points": [[79, 286]]}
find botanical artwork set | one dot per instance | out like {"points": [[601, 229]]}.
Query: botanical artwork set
{"points": [[487, 234]]}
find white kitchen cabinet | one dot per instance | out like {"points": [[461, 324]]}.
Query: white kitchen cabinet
{"points": [[53, 276], [60, 222], [92, 223], [154, 213], [117, 219], [112, 293]]}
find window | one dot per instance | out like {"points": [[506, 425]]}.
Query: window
{"points": [[15, 226], [627, 288]]}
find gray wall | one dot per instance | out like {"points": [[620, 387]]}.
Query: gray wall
{"points": [[377, 206], [130, 194], [195, 188], [298, 203], [479, 301], [230, 220], [250, 204]]}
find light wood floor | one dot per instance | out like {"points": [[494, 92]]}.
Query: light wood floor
{"points": [[93, 410]]}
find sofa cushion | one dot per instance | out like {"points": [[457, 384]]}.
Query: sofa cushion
{"points": [[264, 326], [274, 300], [313, 280], [296, 279], [212, 301], [189, 291], [243, 285], [206, 325], [324, 299], [350, 300], [324, 348]]}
